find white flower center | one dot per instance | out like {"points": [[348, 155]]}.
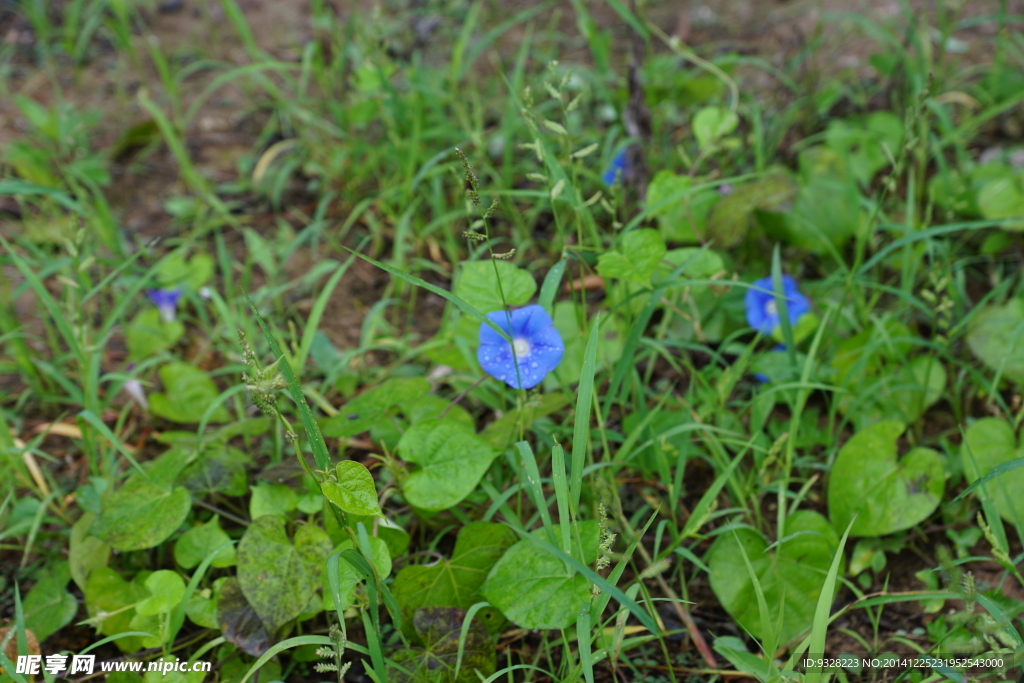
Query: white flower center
{"points": [[770, 307], [521, 348]]}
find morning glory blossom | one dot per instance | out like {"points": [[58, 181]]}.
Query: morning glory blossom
{"points": [[615, 170], [536, 347], [133, 388], [762, 310], [166, 301]]}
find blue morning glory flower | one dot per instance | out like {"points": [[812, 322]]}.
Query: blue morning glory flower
{"points": [[536, 346], [616, 169], [762, 312], [166, 301]]}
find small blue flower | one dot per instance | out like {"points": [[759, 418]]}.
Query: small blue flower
{"points": [[760, 376], [536, 346], [615, 170], [762, 312], [166, 301]]}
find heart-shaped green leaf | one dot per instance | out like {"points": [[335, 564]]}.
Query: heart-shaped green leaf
{"points": [[219, 469], [48, 607], [354, 491], [142, 515], [147, 335], [278, 577], [189, 392], [711, 123], [889, 495], [682, 219], [997, 338], [642, 251], [536, 589], [238, 620], [370, 407], [440, 630], [451, 459], [989, 442], [791, 575], [1003, 197], [109, 596], [166, 589], [730, 218], [195, 544], [478, 285], [456, 582]]}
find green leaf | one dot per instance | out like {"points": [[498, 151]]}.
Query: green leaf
{"points": [[890, 495], [791, 576], [440, 629], [535, 589], [730, 219], [194, 545], [1003, 198], [642, 251], [989, 443], [202, 611], [354, 491], [712, 123], [863, 143], [175, 271], [86, 553], [478, 285], [238, 620], [348, 577], [456, 582], [107, 593], [683, 219], [48, 607], [189, 392], [272, 499], [278, 577], [452, 461], [219, 469], [996, 337], [166, 590], [147, 334], [142, 515], [826, 213], [370, 407]]}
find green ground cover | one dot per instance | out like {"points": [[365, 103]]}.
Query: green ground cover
{"points": [[456, 343]]}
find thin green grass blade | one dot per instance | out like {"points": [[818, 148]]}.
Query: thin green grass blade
{"points": [[561, 494], [581, 426], [819, 629], [549, 289], [583, 636], [464, 633], [770, 633], [105, 432], [534, 488], [286, 645], [783, 307]]}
